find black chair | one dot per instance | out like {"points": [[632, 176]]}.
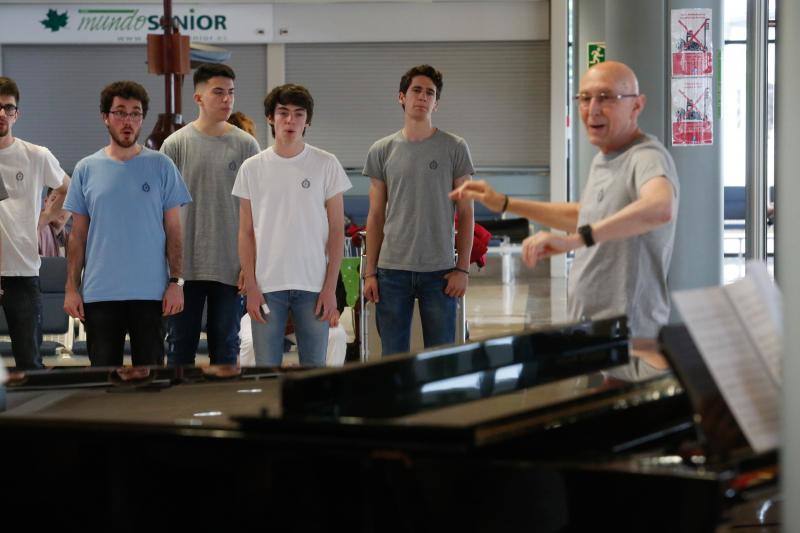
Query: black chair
{"points": [[52, 278], [516, 229]]}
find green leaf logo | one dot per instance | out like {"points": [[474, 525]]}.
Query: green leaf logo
{"points": [[55, 20]]}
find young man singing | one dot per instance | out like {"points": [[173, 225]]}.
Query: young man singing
{"points": [[291, 232]]}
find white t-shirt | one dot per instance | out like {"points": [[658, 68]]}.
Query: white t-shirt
{"points": [[25, 169], [287, 197]]}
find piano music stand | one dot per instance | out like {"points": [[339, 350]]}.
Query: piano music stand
{"points": [[718, 429]]}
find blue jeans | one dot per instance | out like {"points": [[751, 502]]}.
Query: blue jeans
{"points": [[224, 316], [22, 304], [437, 311], [312, 333]]}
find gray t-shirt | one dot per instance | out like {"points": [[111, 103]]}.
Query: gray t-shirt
{"points": [[626, 276], [418, 234], [211, 222]]}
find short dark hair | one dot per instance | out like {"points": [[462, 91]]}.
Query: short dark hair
{"points": [[422, 70], [129, 90], [206, 71], [8, 87], [289, 94]]}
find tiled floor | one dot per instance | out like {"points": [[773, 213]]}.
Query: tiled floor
{"points": [[494, 308]]}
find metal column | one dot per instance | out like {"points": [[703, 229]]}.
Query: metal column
{"points": [[756, 179], [787, 257]]}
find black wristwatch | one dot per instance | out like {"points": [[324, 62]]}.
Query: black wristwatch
{"points": [[585, 232], [178, 281]]}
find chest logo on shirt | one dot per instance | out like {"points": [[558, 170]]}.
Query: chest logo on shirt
{"points": [[146, 187], [20, 176], [433, 165], [305, 184], [232, 165], [600, 195]]}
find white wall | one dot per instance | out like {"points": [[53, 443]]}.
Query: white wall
{"points": [[409, 22]]}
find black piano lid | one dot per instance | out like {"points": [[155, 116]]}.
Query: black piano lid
{"points": [[461, 396], [435, 378]]}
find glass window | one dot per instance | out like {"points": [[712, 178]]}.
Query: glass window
{"points": [[734, 125]]}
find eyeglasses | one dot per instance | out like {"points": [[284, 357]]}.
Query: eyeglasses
{"points": [[135, 116], [603, 99], [10, 109]]}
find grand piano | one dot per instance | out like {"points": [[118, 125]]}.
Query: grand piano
{"points": [[516, 433]]}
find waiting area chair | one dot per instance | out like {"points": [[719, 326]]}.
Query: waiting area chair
{"points": [[52, 279]]}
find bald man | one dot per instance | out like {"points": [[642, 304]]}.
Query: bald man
{"points": [[623, 229]]}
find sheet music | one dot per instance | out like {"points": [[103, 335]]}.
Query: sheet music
{"points": [[757, 302], [735, 333]]}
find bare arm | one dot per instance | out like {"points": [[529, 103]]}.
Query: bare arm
{"points": [[247, 258], [247, 243], [76, 254], [465, 226], [652, 209], [326, 303], [562, 216], [557, 215], [172, 228], [375, 221], [335, 248], [51, 212], [458, 279], [173, 295]]}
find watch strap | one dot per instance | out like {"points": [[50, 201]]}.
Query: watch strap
{"points": [[585, 232]]}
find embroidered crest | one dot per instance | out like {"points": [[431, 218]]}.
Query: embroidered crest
{"points": [[146, 187], [20, 176], [600, 195], [433, 165], [306, 184], [232, 165]]}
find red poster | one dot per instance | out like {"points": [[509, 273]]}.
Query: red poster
{"points": [[692, 46], [692, 112]]}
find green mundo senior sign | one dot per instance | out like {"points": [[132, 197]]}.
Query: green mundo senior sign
{"points": [[128, 24]]}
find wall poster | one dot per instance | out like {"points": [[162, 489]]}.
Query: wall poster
{"points": [[692, 77], [692, 111]]}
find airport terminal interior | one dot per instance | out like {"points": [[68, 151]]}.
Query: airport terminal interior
{"points": [[615, 365]]}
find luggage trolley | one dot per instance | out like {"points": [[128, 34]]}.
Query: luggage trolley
{"points": [[370, 348]]}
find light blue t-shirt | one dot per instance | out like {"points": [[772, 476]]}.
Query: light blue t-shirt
{"points": [[125, 202]]}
